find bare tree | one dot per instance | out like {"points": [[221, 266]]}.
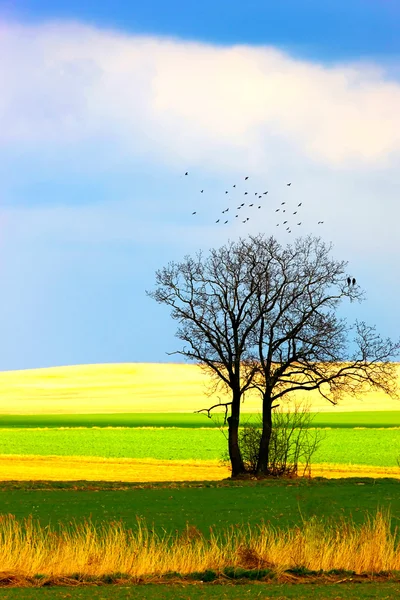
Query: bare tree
{"points": [[259, 315], [214, 301], [303, 345]]}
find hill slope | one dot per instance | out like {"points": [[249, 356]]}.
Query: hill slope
{"points": [[135, 387]]}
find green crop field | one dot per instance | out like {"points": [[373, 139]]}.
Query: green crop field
{"points": [[384, 591], [193, 420], [340, 446], [214, 504]]}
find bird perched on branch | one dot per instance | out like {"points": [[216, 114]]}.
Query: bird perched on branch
{"points": [[354, 281], [348, 281]]}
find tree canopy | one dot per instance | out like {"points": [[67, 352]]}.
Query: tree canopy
{"points": [[259, 315]]}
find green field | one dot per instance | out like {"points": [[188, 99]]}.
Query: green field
{"points": [[171, 506], [193, 420], [383, 591], [341, 446]]}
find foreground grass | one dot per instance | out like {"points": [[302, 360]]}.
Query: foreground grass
{"points": [[383, 591], [375, 447], [171, 506], [81, 552], [372, 419]]}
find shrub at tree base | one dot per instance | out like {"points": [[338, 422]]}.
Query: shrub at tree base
{"points": [[292, 442]]}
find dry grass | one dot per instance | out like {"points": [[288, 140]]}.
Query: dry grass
{"points": [[134, 387], [27, 549], [74, 468]]}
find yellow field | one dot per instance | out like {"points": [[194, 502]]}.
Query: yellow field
{"points": [[136, 387], [74, 468]]}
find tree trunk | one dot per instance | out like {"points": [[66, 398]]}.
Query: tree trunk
{"points": [[263, 453], [233, 439]]}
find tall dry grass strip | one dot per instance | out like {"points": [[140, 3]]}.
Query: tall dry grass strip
{"points": [[28, 549]]}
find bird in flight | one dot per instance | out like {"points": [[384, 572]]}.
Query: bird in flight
{"points": [[319, 222], [299, 223], [234, 185], [277, 210], [242, 204], [225, 222], [284, 222], [245, 178], [226, 192], [259, 207], [245, 193], [288, 184], [260, 196], [193, 213], [201, 191], [251, 204], [295, 212], [265, 193], [186, 173], [354, 281], [283, 203], [300, 204], [217, 221]]}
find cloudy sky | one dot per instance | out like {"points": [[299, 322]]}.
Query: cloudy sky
{"points": [[104, 107]]}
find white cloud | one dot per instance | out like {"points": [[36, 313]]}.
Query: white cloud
{"points": [[223, 112], [63, 83]]}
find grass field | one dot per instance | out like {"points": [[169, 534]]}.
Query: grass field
{"points": [[261, 591], [341, 446], [170, 506], [371, 419], [137, 388]]}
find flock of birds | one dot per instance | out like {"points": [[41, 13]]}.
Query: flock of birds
{"points": [[257, 204]]}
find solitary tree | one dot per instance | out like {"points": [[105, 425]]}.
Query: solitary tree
{"points": [[258, 315]]}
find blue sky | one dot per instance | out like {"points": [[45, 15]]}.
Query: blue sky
{"points": [[105, 105]]}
